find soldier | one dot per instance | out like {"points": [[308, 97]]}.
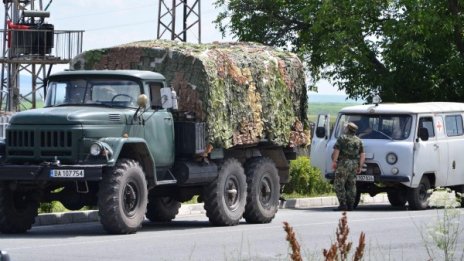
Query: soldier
{"points": [[348, 158]]}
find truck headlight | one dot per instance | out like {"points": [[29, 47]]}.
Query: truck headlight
{"points": [[392, 158], [95, 149]]}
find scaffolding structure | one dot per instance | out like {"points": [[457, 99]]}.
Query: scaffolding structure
{"points": [[167, 19], [30, 48]]}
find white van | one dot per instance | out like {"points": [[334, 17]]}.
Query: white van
{"points": [[409, 148]]}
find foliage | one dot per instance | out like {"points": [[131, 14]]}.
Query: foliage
{"points": [[340, 249], [306, 179], [52, 207], [443, 233], [407, 50]]}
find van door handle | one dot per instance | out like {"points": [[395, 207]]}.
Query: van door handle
{"points": [[436, 146]]}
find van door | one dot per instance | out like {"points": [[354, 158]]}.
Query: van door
{"points": [[319, 144], [428, 155], [455, 136]]}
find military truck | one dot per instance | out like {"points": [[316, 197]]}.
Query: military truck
{"points": [[113, 139]]}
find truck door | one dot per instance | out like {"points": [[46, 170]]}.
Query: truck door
{"points": [[428, 154], [159, 129], [319, 142]]}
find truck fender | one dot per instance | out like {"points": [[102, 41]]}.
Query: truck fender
{"points": [[133, 148]]}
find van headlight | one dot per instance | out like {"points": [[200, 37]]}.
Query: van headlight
{"points": [[392, 158]]}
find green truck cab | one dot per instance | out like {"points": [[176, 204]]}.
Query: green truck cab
{"points": [[114, 140]]}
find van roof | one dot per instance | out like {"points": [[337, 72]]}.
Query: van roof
{"points": [[421, 107]]}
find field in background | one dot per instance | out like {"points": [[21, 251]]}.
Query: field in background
{"points": [[332, 108]]}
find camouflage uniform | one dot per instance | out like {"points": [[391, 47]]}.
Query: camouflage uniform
{"points": [[350, 148]]}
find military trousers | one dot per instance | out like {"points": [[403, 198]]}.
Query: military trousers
{"points": [[345, 182]]}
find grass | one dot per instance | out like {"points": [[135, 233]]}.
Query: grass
{"points": [[326, 108]]}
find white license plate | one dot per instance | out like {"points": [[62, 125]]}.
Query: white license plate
{"points": [[67, 173], [365, 178]]}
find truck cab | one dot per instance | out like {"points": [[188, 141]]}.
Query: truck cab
{"points": [[115, 141], [410, 148]]}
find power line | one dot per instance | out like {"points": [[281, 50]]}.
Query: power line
{"points": [[104, 13], [119, 26]]}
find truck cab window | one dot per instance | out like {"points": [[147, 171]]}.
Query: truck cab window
{"points": [[155, 95]]}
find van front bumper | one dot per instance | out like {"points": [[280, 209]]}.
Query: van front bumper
{"points": [[377, 178], [48, 173]]}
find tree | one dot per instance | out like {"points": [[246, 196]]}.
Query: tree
{"points": [[407, 50]]}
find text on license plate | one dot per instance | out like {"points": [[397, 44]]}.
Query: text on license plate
{"points": [[365, 178], [67, 173]]}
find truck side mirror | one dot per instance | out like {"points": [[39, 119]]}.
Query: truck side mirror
{"points": [[320, 132], [423, 134]]}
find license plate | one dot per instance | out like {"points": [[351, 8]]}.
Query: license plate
{"points": [[67, 173], [365, 178]]}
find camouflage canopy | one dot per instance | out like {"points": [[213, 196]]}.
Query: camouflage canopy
{"points": [[245, 92]]}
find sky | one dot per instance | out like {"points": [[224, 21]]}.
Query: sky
{"points": [[110, 23]]}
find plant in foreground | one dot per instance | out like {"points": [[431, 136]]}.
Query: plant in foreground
{"points": [[444, 232], [338, 250]]}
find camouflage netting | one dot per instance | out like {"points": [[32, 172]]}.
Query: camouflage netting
{"points": [[245, 92]]}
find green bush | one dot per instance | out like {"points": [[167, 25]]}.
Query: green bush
{"points": [[51, 207], [305, 179]]}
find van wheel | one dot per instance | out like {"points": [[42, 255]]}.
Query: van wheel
{"points": [[357, 199], [225, 197], [162, 209], [122, 198], [18, 209], [397, 198], [418, 197], [263, 190]]}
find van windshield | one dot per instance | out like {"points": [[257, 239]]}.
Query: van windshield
{"points": [[379, 126]]}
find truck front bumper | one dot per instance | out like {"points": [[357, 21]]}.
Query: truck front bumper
{"points": [[50, 173]]}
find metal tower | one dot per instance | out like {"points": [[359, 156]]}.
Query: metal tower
{"points": [[30, 48], [167, 22]]}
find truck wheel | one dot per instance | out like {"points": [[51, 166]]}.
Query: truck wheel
{"points": [[417, 197], [162, 209], [18, 209], [122, 198], [397, 198], [225, 197], [262, 191]]}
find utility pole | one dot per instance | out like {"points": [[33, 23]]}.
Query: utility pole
{"points": [[30, 48], [167, 19]]}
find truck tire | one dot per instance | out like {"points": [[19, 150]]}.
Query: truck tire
{"points": [[162, 209], [418, 197], [263, 190], [122, 198], [397, 198], [225, 197], [18, 209]]}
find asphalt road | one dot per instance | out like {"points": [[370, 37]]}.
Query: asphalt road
{"points": [[391, 234]]}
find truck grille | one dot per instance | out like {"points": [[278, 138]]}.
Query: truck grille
{"points": [[33, 144]]}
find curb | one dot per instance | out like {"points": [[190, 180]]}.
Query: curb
{"points": [[196, 209]]}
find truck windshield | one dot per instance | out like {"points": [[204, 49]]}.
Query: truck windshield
{"points": [[107, 92], [383, 126]]}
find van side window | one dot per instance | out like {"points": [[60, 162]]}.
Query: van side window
{"points": [[427, 122], [453, 125]]}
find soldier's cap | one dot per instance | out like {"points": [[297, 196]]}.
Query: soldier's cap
{"points": [[352, 127]]}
